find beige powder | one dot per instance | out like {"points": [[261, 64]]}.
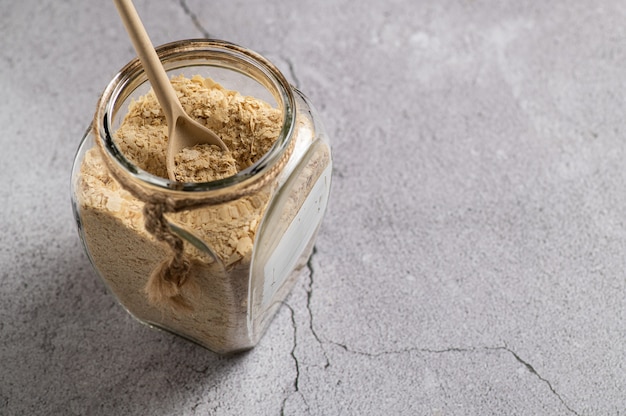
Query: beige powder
{"points": [[247, 126], [204, 163]]}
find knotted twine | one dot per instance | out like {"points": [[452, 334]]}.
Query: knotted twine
{"points": [[168, 277], [164, 284]]}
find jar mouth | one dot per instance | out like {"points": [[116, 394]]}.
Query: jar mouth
{"points": [[189, 54]]}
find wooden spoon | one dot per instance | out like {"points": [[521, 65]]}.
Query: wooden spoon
{"points": [[183, 131]]}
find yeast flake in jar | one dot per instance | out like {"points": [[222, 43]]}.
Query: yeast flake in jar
{"points": [[210, 256]]}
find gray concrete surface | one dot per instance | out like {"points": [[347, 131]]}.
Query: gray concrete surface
{"points": [[473, 258]]}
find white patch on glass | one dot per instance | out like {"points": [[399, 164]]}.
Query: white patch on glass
{"points": [[296, 237]]}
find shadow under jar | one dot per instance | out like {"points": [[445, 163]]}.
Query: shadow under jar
{"points": [[209, 261]]}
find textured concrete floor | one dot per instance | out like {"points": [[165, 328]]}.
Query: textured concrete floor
{"points": [[473, 258]]}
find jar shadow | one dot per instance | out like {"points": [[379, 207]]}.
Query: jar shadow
{"points": [[68, 347]]}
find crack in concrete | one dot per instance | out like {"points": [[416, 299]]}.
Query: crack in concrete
{"points": [[296, 382], [532, 370], [296, 81], [194, 19], [404, 350], [527, 365], [309, 295], [294, 324], [205, 33]]}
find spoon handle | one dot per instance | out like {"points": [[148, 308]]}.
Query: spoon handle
{"points": [[165, 93]]}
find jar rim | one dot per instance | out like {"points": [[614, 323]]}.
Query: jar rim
{"points": [[132, 75]]}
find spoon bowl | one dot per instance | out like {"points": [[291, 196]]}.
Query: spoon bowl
{"points": [[187, 132], [183, 131]]}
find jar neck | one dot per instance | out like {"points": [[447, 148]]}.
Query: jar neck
{"points": [[211, 55]]}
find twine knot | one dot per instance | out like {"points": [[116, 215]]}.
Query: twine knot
{"points": [[166, 280]]}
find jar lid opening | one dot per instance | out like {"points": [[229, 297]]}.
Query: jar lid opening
{"points": [[247, 68]]}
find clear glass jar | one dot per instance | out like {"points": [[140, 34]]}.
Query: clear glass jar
{"points": [[232, 285]]}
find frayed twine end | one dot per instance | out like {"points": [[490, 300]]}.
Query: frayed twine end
{"points": [[164, 286]]}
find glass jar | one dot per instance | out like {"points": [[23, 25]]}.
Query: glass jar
{"points": [[209, 261]]}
